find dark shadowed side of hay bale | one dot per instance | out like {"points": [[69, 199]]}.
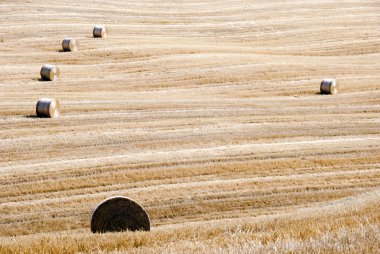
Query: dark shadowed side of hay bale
{"points": [[49, 72], [47, 107], [99, 31], [119, 214], [69, 44], [329, 86]]}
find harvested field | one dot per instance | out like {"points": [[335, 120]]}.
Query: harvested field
{"points": [[207, 113]]}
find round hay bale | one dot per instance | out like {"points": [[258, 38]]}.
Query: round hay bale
{"points": [[119, 214], [47, 108], [69, 44], [100, 31], [329, 86], [49, 72]]}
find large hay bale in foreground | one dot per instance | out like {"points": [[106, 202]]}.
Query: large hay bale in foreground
{"points": [[100, 31], [329, 86], [49, 72], [119, 214], [47, 108], [69, 44]]}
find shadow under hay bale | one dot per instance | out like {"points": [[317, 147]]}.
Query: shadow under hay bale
{"points": [[30, 116], [49, 72], [329, 86], [119, 214], [69, 44], [46, 107], [99, 31]]}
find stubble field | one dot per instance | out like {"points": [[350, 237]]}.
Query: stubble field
{"points": [[207, 113]]}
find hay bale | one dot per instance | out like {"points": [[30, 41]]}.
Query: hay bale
{"points": [[100, 31], [47, 108], [49, 72], [69, 44], [119, 214], [329, 86]]}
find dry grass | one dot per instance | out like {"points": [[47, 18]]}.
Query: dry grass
{"points": [[206, 113], [347, 226]]}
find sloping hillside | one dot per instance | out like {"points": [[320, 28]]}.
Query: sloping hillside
{"points": [[207, 113]]}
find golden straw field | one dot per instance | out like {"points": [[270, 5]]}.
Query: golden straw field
{"points": [[206, 112]]}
